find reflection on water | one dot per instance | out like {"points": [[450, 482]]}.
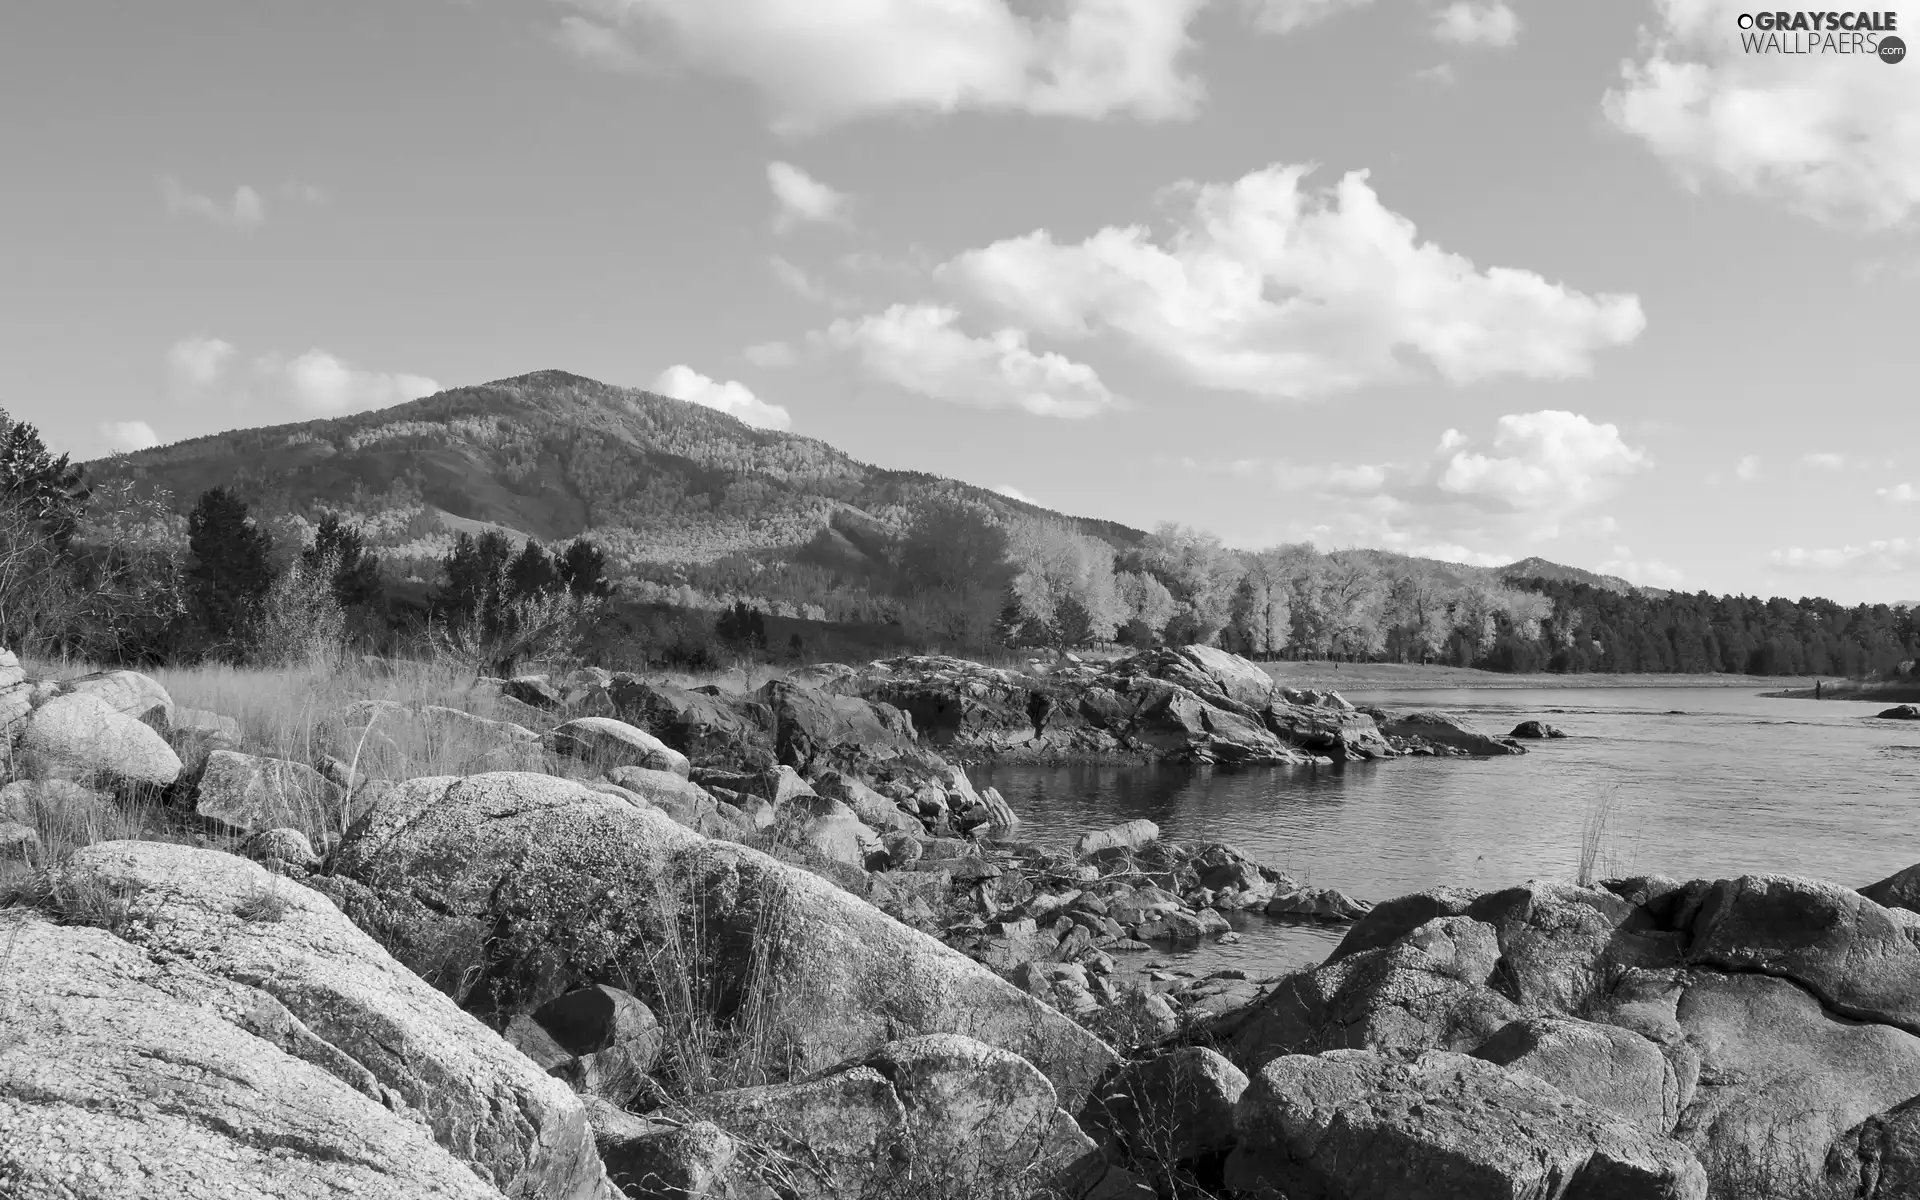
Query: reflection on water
{"points": [[1703, 783]]}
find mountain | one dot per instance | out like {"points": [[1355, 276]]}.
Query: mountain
{"points": [[552, 455], [1540, 568]]}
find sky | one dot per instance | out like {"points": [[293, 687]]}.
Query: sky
{"points": [[1477, 280]]}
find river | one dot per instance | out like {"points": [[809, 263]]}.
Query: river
{"points": [[1692, 782]]}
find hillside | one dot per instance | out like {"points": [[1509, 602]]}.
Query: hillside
{"points": [[552, 455]]}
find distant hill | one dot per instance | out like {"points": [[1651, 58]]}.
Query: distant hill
{"points": [[552, 455], [1540, 568]]}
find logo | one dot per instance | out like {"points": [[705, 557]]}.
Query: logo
{"points": [[1862, 33]]}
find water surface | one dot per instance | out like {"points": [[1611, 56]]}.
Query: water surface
{"points": [[1695, 783]]}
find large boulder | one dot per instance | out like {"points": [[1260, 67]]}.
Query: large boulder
{"points": [[128, 692], [1340, 733], [1536, 730], [1428, 991], [566, 886], [1445, 729], [1860, 959], [124, 1077], [358, 1014], [1609, 1067], [1174, 1109], [815, 731], [609, 743], [711, 728], [1898, 890], [1793, 1102], [1352, 1125], [81, 736], [248, 794], [1900, 712]]}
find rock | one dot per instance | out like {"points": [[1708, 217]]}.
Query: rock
{"points": [[1898, 890], [17, 842], [1130, 835], [1325, 904], [575, 887], [1610, 1068], [688, 1162], [256, 1104], [1000, 816], [1792, 1102], [840, 837], [608, 743], [72, 813], [683, 800], [1428, 991], [1901, 712], [1445, 729], [1858, 958], [536, 691], [1391, 920], [1171, 1109], [1207, 671], [1535, 730], [1351, 1125], [81, 736], [1340, 733], [815, 731], [358, 1014], [711, 729], [284, 850], [127, 692], [611, 1040], [870, 806], [247, 793]]}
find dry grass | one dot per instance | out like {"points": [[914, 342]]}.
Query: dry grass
{"points": [[1595, 863]]}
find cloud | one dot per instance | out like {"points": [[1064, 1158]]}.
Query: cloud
{"points": [[733, 398], [770, 354], [1824, 461], [804, 199], [1465, 24], [1832, 136], [1268, 288], [921, 348], [320, 384], [245, 211], [808, 287], [1644, 572], [1747, 469], [822, 64], [1899, 493], [1891, 555], [1286, 16], [313, 384], [1439, 75], [1014, 493], [1549, 463], [129, 435], [199, 361], [597, 45]]}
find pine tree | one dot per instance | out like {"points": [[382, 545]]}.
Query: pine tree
{"points": [[532, 573], [51, 490], [583, 568], [356, 569], [231, 572]]}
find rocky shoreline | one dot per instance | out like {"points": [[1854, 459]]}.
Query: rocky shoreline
{"points": [[674, 942]]}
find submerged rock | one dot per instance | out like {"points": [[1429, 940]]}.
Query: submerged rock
{"points": [[1445, 729], [1535, 730]]}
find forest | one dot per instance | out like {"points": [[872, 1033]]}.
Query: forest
{"points": [[108, 572]]}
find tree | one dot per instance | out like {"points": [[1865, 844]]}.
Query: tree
{"points": [[340, 551], [532, 573], [1052, 565], [1199, 572], [742, 627], [50, 491], [474, 578], [232, 566], [1145, 604], [1261, 614], [582, 567], [952, 544]]}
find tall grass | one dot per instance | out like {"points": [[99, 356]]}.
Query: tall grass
{"points": [[1595, 864]]}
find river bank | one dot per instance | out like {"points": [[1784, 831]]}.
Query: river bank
{"points": [[1414, 676]]}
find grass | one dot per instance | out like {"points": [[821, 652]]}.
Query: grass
{"points": [[1594, 863]]}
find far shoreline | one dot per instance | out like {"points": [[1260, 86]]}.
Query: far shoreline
{"points": [[1365, 677]]}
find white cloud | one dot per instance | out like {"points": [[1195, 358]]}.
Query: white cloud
{"points": [[1468, 24], [819, 64], [319, 384], [733, 398], [1833, 136], [1899, 493], [1647, 572], [1548, 463], [1893, 555], [129, 435], [770, 354], [921, 348], [245, 211], [1824, 461], [1748, 468], [1286, 16], [1269, 288], [199, 361], [1014, 493], [596, 44], [805, 199], [808, 287]]}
